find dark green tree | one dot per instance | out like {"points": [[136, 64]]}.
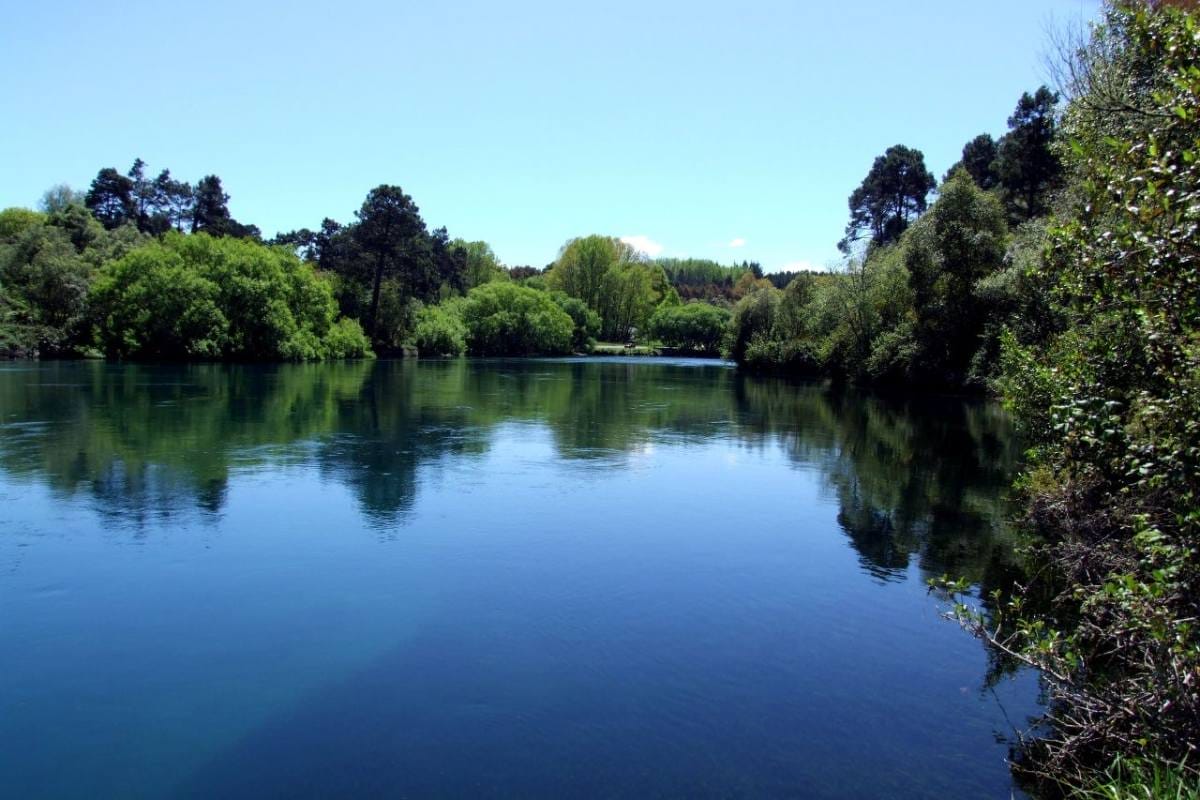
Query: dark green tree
{"points": [[890, 197], [389, 231], [1026, 165], [145, 198], [302, 241], [959, 242], [173, 202], [110, 198], [978, 159], [210, 212], [445, 267]]}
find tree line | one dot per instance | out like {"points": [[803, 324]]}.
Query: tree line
{"points": [[115, 270], [928, 286]]}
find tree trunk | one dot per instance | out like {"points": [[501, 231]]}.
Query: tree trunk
{"points": [[374, 312]]}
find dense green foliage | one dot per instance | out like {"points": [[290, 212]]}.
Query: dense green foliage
{"points": [[928, 301], [482, 265], [202, 297], [387, 264], [583, 264], [614, 281], [62, 290], [952, 248], [701, 279], [112, 270], [586, 321], [503, 319], [47, 265], [1108, 396], [695, 327], [500, 318], [440, 331]]}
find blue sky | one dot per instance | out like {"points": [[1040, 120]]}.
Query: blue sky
{"points": [[719, 130]]}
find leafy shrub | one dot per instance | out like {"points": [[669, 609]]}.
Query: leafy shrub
{"points": [[440, 331], [47, 264], [587, 322], [1111, 407], [201, 297], [784, 355], [696, 327], [346, 339], [509, 319], [753, 318]]}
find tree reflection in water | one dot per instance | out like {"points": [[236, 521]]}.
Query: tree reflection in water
{"points": [[916, 479]]}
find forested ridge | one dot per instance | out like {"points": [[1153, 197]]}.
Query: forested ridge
{"points": [[1055, 267]]}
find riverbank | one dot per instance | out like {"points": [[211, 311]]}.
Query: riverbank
{"points": [[618, 349]]}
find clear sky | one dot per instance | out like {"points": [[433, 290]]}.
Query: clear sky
{"points": [[726, 130]]}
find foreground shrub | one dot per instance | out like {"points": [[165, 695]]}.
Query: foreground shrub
{"points": [[1111, 407]]}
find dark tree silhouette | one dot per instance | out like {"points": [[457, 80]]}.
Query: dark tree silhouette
{"points": [[890, 197]]}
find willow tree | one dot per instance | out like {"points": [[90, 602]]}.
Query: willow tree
{"points": [[583, 263]]}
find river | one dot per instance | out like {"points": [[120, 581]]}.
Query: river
{"points": [[515, 578]]}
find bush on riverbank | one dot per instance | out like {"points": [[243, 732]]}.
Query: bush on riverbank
{"points": [[1111, 407], [695, 327], [48, 262], [440, 332], [497, 319], [187, 297], [912, 313]]}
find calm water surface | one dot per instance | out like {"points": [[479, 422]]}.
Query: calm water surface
{"points": [[627, 578]]}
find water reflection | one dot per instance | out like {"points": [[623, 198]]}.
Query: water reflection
{"points": [[916, 481]]}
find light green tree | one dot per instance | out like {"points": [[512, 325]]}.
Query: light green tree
{"points": [[583, 264], [203, 297], [482, 264]]}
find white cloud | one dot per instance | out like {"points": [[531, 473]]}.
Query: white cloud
{"points": [[643, 244], [738, 242]]}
